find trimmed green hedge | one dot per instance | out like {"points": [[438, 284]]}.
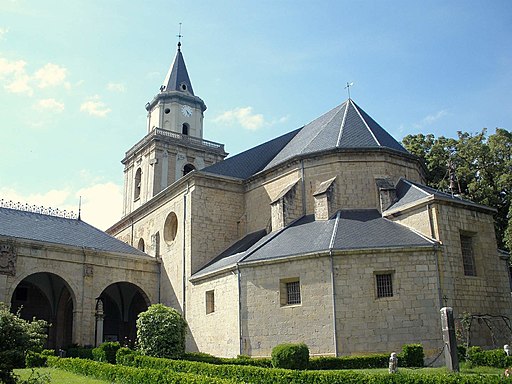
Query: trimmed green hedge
{"points": [[256, 375], [129, 375], [81, 352], [349, 362], [290, 356], [106, 352], [240, 360], [493, 358]]}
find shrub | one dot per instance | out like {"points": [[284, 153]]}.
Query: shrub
{"points": [[161, 332], [80, 352], [240, 360], [17, 336], [492, 358], [412, 356], [349, 362], [123, 353], [35, 360], [290, 356], [106, 352]]}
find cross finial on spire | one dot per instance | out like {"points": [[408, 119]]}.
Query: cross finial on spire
{"points": [[179, 36], [348, 88]]}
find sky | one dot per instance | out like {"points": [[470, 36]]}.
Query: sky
{"points": [[75, 77]]}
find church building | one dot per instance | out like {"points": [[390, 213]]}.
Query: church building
{"points": [[325, 235]]}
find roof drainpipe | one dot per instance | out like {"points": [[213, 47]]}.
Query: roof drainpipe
{"points": [[303, 187], [240, 331], [183, 284], [331, 259]]}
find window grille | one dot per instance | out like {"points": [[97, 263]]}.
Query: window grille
{"points": [[293, 292], [468, 257], [384, 285]]}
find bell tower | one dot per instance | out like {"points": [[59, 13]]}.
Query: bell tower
{"points": [[173, 145]]}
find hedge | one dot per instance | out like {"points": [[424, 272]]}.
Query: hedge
{"points": [[106, 352], [492, 358], [350, 362], [258, 375], [240, 360], [129, 375], [290, 356]]}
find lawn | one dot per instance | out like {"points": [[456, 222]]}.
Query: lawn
{"points": [[59, 377]]}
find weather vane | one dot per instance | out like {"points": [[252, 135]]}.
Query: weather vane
{"points": [[348, 88], [179, 36]]}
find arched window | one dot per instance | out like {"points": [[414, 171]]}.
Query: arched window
{"points": [[188, 168], [138, 180], [170, 228], [140, 245], [184, 129]]}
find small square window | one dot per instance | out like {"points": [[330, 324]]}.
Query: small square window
{"points": [[384, 284], [210, 302], [468, 256], [290, 291]]}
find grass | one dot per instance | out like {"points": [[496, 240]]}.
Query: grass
{"points": [[59, 376]]}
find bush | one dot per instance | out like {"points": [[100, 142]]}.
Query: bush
{"points": [[35, 360], [17, 336], [80, 352], [492, 358], [130, 375], [411, 356], [290, 356], [349, 362], [124, 353], [161, 332], [106, 352], [240, 360]]}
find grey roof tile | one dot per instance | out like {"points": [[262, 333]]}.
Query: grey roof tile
{"points": [[178, 75], [58, 230], [357, 229], [409, 192], [250, 162]]}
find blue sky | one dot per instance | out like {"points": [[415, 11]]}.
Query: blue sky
{"points": [[75, 76]]}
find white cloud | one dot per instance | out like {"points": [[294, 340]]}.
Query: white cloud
{"points": [[3, 32], [95, 107], [14, 73], [243, 116], [51, 75], [101, 203], [430, 119], [51, 105], [116, 87]]}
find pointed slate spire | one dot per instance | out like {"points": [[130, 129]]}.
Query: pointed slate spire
{"points": [[177, 78]]}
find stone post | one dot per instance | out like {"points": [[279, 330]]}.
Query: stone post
{"points": [[450, 352], [99, 322]]}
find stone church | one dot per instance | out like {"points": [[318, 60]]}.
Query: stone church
{"points": [[325, 235]]}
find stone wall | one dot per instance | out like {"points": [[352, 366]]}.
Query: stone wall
{"points": [[215, 332], [266, 323]]}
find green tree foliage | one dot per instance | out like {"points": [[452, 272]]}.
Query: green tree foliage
{"points": [[161, 332], [478, 167], [17, 337]]}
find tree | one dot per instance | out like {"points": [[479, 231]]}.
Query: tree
{"points": [[17, 336], [161, 332], [473, 166]]}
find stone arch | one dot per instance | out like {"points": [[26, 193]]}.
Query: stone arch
{"points": [[47, 296], [122, 302], [141, 245], [137, 184], [185, 129], [188, 168]]}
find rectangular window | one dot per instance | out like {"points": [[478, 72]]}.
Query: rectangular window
{"points": [[210, 302], [290, 291], [468, 257], [384, 284]]}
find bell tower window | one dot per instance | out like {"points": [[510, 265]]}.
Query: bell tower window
{"points": [[184, 129], [138, 180]]}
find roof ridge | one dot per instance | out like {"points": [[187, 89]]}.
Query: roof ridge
{"points": [[342, 125], [412, 184], [356, 107]]}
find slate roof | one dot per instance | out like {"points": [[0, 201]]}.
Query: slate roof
{"points": [[59, 230], [345, 127], [354, 230], [409, 192], [178, 74]]}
